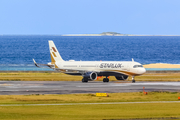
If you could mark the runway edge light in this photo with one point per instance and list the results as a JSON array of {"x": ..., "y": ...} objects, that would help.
[
  {"x": 178, "y": 98},
  {"x": 145, "y": 93}
]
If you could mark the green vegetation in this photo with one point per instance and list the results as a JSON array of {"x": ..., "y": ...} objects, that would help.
[
  {"x": 98, "y": 111},
  {"x": 112, "y": 34},
  {"x": 55, "y": 76},
  {"x": 89, "y": 112},
  {"x": 36, "y": 76},
  {"x": 89, "y": 98},
  {"x": 103, "y": 111},
  {"x": 159, "y": 77}
]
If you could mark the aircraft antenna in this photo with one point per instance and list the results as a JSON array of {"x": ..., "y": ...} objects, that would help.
[{"x": 132, "y": 60}]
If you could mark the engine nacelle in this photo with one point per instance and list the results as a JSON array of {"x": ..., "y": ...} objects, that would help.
[
  {"x": 90, "y": 75},
  {"x": 122, "y": 77}
]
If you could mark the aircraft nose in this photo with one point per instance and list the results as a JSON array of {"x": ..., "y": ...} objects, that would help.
[{"x": 142, "y": 71}]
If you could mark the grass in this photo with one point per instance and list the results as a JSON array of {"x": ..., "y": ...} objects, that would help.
[
  {"x": 89, "y": 98},
  {"x": 66, "y": 112},
  {"x": 113, "y": 111},
  {"x": 35, "y": 76},
  {"x": 89, "y": 112},
  {"x": 54, "y": 76},
  {"x": 159, "y": 77}
]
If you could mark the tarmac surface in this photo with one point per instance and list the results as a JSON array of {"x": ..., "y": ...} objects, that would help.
[{"x": 70, "y": 87}]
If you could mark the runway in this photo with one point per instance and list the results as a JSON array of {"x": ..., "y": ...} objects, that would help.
[{"x": 69, "y": 87}]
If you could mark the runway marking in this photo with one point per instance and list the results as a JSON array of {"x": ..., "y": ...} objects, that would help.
[
  {"x": 110, "y": 103},
  {"x": 132, "y": 84}
]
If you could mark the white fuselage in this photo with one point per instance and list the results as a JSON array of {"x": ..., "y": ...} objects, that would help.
[
  {"x": 111, "y": 67},
  {"x": 91, "y": 70}
]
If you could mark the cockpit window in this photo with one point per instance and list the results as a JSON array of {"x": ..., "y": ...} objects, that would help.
[{"x": 137, "y": 66}]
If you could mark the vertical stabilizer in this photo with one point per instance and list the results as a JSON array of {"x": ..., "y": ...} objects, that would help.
[{"x": 55, "y": 56}]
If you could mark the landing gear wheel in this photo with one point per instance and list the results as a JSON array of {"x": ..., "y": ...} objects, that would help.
[
  {"x": 105, "y": 80},
  {"x": 133, "y": 81},
  {"x": 84, "y": 80}
]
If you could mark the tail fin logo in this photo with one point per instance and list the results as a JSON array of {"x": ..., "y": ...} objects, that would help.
[
  {"x": 54, "y": 54},
  {"x": 54, "y": 49}
]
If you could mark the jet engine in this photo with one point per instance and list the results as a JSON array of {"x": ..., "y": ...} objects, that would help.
[
  {"x": 122, "y": 77},
  {"x": 90, "y": 75}
]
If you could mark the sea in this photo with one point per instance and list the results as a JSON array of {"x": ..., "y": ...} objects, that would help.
[{"x": 17, "y": 51}]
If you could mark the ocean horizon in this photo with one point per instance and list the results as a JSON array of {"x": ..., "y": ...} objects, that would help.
[{"x": 19, "y": 50}]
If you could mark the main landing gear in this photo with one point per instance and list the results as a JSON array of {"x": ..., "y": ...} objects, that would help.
[
  {"x": 133, "y": 80},
  {"x": 85, "y": 80},
  {"x": 106, "y": 79}
]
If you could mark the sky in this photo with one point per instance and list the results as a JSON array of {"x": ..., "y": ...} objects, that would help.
[{"x": 59, "y": 17}]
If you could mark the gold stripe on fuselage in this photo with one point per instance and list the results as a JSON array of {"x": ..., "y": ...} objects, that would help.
[{"x": 124, "y": 72}]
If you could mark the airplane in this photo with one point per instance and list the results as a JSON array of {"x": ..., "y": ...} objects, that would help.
[{"x": 91, "y": 70}]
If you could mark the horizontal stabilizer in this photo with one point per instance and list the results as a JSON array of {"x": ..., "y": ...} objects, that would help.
[
  {"x": 35, "y": 63},
  {"x": 39, "y": 65}
]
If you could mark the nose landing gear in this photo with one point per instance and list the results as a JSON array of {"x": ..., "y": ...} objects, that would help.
[{"x": 133, "y": 80}]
